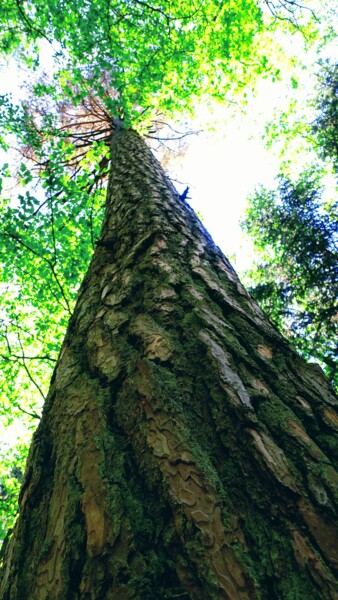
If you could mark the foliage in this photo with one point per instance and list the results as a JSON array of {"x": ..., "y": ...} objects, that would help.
[
  {"x": 296, "y": 282},
  {"x": 47, "y": 235},
  {"x": 158, "y": 56}
]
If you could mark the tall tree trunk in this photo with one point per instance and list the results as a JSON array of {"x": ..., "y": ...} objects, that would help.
[{"x": 185, "y": 450}]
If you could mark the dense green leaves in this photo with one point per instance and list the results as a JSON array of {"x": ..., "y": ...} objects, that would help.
[
  {"x": 158, "y": 55},
  {"x": 296, "y": 281}
]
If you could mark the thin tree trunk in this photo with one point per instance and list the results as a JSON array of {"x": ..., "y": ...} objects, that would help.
[{"x": 185, "y": 450}]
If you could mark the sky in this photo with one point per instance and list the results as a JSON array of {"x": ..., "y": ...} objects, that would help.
[{"x": 222, "y": 169}]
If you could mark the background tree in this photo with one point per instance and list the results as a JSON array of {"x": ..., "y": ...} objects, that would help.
[
  {"x": 296, "y": 282},
  {"x": 294, "y": 231}
]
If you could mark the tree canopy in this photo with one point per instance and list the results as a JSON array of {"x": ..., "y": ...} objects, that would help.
[{"x": 158, "y": 56}]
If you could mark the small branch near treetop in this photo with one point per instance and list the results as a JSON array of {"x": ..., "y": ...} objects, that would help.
[{"x": 285, "y": 10}]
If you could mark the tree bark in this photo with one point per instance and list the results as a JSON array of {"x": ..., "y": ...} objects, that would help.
[{"x": 185, "y": 450}]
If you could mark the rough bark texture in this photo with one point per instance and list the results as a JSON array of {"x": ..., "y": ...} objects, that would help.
[{"x": 185, "y": 450}]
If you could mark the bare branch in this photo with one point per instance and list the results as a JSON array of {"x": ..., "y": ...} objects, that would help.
[
  {"x": 29, "y": 22},
  {"x": 34, "y": 415},
  {"x": 286, "y": 10},
  {"x": 46, "y": 260},
  {"x": 30, "y": 376},
  {"x": 17, "y": 356}
]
